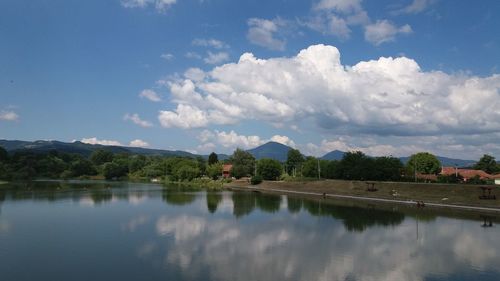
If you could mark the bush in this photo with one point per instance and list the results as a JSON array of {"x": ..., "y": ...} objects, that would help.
[
  {"x": 256, "y": 180},
  {"x": 269, "y": 169}
]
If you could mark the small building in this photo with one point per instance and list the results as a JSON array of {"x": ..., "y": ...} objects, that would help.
[
  {"x": 226, "y": 170},
  {"x": 496, "y": 178},
  {"x": 466, "y": 174}
]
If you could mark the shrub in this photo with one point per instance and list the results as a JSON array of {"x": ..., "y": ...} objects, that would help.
[{"x": 256, "y": 180}]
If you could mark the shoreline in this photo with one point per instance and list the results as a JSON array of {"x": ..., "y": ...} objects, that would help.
[{"x": 301, "y": 189}]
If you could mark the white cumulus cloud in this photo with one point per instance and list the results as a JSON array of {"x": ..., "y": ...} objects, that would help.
[
  {"x": 8, "y": 115},
  {"x": 216, "y": 58},
  {"x": 159, "y": 5},
  {"x": 167, "y": 56},
  {"x": 384, "y": 96},
  {"x": 137, "y": 120},
  {"x": 94, "y": 140},
  {"x": 384, "y": 31},
  {"x": 262, "y": 32},
  {"x": 213, "y": 43},
  {"x": 138, "y": 143},
  {"x": 150, "y": 95}
]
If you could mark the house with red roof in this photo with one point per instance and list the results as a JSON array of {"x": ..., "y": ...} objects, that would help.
[
  {"x": 466, "y": 174},
  {"x": 226, "y": 170}
]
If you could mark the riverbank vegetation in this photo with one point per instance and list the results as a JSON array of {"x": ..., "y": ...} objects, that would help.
[{"x": 103, "y": 164}]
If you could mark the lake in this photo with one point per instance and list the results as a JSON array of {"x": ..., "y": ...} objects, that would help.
[{"x": 80, "y": 230}]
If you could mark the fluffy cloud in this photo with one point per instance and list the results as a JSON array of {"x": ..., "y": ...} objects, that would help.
[
  {"x": 216, "y": 58},
  {"x": 185, "y": 117},
  {"x": 231, "y": 140},
  {"x": 386, "y": 96},
  {"x": 94, "y": 140},
  {"x": 150, "y": 95},
  {"x": 137, "y": 120},
  {"x": 160, "y": 5},
  {"x": 415, "y": 7},
  {"x": 384, "y": 31},
  {"x": 213, "y": 43},
  {"x": 138, "y": 143},
  {"x": 344, "y": 6},
  {"x": 336, "y": 17},
  {"x": 283, "y": 140},
  {"x": 8, "y": 116},
  {"x": 167, "y": 56},
  {"x": 262, "y": 32}
]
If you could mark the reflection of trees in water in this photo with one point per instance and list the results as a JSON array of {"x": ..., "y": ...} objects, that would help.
[
  {"x": 243, "y": 203},
  {"x": 177, "y": 197},
  {"x": 99, "y": 196},
  {"x": 294, "y": 204},
  {"x": 213, "y": 201},
  {"x": 354, "y": 218},
  {"x": 268, "y": 203}
]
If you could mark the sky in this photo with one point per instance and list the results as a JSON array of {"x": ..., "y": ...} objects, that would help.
[{"x": 385, "y": 77}]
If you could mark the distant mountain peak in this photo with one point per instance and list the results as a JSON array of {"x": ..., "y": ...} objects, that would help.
[{"x": 271, "y": 149}]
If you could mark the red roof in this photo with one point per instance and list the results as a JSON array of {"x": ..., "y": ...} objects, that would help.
[
  {"x": 465, "y": 173},
  {"x": 227, "y": 168}
]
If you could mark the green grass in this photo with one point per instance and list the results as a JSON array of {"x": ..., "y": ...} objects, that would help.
[{"x": 459, "y": 194}]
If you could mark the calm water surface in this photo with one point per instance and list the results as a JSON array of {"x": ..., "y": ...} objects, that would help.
[{"x": 127, "y": 231}]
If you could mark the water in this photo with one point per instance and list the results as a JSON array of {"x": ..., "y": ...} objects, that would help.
[{"x": 129, "y": 231}]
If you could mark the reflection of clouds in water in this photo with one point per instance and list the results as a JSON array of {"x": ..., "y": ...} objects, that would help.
[
  {"x": 294, "y": 249},
  {"x": 86, "y": 202},
  {"x": 136, "y": 199},
  {"x": 183, "y": 227},
  {"x": 5, "y": 226},
  {"x": 135, "y": 222}
]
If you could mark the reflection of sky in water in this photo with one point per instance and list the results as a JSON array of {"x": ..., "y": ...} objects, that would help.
[{"x": 141, "y": 232}]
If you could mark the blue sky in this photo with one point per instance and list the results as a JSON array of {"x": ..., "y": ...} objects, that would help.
[{"x": 384, "y": 77}]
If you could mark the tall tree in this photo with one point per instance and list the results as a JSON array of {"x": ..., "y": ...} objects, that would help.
[
  {"x": 487, "y": 163},
  {"x": 101, "y": 156},
  {"x": 423, "y": 162},
  {"x": 294, "y": 161},
  {"x": 213, "y": 158},
  {"x": 269, "y": 169},
  {"x": 3, "y": 154},
  {"x": 243, "y": 163}
]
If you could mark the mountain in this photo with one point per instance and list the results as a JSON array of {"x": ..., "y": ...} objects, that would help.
[
  {"x": 273, "y": 150},
  {"x": 86, "y": 149},
  {"x": 445, "y": 161},
  {"x": 333, "y": 155}
]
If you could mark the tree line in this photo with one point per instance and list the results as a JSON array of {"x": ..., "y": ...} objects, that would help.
[{"x": 355, "y": 165}]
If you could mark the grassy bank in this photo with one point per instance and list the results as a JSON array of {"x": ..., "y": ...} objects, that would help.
[{"x": 456, "y": 194}]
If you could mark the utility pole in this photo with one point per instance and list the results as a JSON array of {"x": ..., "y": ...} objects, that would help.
[
  {"x": 319, "y": 171},
  {"x": 415, "y": 166}
]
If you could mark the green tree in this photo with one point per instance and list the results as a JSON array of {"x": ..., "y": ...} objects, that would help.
[
  {"x": 4, "y": 156},
  {"x": 202, "y": 164},
  {"x": 355, "y": 165},
  {"x": 187, "y": 173},
  {"x": 423, "y": 162},
  {"x": 269, "y": 169},
  {"x": 82, "y": 167},
  {"x": 487, "y": 163},
  {"x": 214, "y": 171},
  {"x": 387, "y": 169},
  {"x": 101, "y": 156},
  {"x": 243, "y": 163},
  {"x": 294, "y": 161},
  {"x": 114, "y": 170},
  {"x": 213, "y": 158}
]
